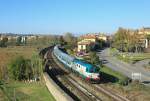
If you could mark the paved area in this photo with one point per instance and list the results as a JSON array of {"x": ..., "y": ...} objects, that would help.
[
  {"x": 123, "y": 67},
  {"x": 142, "y": 63}
]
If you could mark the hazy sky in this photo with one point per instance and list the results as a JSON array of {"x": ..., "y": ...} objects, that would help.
[{"x": 77, "y": 16}]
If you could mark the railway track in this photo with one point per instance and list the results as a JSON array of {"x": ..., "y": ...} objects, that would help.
[
  {"x": 113, "y": 95},
  {"x": 109, "y": 93},
  {"x": 99, "y": 88},
  {"x": 70, "y": 84},
  {"x": 58, "y": 70}
]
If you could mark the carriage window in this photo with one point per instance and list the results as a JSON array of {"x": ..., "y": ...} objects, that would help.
[{"x": 86, "y": 69}]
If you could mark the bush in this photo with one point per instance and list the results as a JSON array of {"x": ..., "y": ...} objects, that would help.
[
  {"x": 2, "y": 44},
  {"x": 124, "y": 81},
  {"x": 25, "y": 69},
  {"x": 18, "y": 68},
  {"x": 94, "y": 59}
]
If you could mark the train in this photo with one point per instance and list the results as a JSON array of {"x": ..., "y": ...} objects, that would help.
[{"x": 84, "y": 69}]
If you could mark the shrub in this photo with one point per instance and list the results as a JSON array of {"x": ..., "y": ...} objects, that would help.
[{"x": 25, "y": 69}]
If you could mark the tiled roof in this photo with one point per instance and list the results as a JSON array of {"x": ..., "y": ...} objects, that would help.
[
  {"x": 89, "y": 36},
  {"x": 85, "y": 42}
]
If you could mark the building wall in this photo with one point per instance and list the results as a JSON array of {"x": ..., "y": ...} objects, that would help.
[
  {"x": 142, "y": 34},
  {"x": 81, "y": 47},
  {"x": 91, "y": 40},
  {"x": 102, "y": 38}
]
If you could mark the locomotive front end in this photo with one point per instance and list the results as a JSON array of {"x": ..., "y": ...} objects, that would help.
[{"x": 95, "y": 78}]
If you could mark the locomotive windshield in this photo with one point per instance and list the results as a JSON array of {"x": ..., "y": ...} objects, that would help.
[
  {"x": 93, "y": 70},
  {"x": 96, "y": 69}
]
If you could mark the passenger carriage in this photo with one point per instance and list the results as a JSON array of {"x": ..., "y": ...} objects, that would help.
[{"x": 86, "y": 70}]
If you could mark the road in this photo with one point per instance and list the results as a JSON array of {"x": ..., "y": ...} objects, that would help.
[
  {"x": 142, "y": 62},
  {"x": 123, "y": 67}
]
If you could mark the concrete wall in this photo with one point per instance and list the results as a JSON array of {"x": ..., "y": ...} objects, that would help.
[{"x": 55, "y": 90}]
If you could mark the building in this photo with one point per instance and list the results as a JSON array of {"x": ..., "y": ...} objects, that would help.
[
  {"x": 87, "y": 41},
  {"x": 102, "y": 37},
  {"x": 84, "y": 45},
  {"x": 142, "y": 33},
  {"x": 89, "y": 37},
  {"x": 145, "y": 30},
  {"x": 90, "y": 40}
]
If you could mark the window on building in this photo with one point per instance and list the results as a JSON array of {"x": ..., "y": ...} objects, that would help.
[{"x": 81, "y": 46}]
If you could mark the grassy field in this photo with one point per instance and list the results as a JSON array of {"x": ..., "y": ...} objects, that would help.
[
  {"x": 27, "y": 92},
  {"x": 23, "y": 91},
  {"x": 129, "y": 57},
  {"x": 133, "y": 58},
  {"x": 9, "y": 53},
  {"x": 112, "y": 76}
]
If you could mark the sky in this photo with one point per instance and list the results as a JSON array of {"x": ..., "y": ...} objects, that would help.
[{"x": 75, "y": 16}]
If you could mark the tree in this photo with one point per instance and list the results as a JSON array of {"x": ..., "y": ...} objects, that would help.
[
  {"x": 148, "y": 37},
  {"x": 5, "y": 39},
  {"x": 100, "y": 44},
  {"x": 89, "y": 48},
  {"x": 68, "y": 37},
  {"x": 25, "y": 69},
  {"x": 18, "y": 41},
  {"x": 17, "y": 68},
  {"x": 3, "y": 42},
  {"x": 28, "y": 70},
  {"x": 71, "y": 41},
  {"x": 94, "y": 59},
  {"x": 120, "y": 39},
  {"x": 126, "y": 40},
  {"x": 36, "y": 65},
  {"x": 61, "y": 40}
]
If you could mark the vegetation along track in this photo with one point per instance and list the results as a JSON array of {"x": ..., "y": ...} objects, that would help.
[
  {"x": 111, "y": 94},
  {"x": 69, "y": 83}
]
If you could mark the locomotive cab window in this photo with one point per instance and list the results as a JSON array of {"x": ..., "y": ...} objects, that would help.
[
  {"x": 96, "y": 69},
  {"x": 91, "y": 70},
  {"x": 78, "y": 65}
]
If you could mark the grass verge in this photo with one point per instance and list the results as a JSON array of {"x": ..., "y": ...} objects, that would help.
[
  {"x": 22, "y": 91},
  {"x": 109, "y": 75},
  {"x": 129, "y": 57},
  {"x": 115, "y": 81},
  {"x": 27, "y": 92}
]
